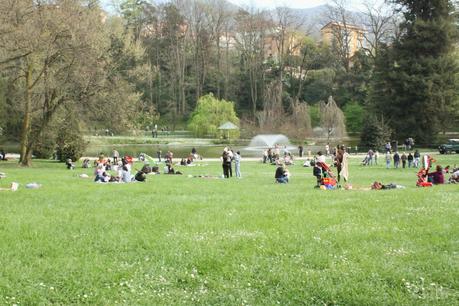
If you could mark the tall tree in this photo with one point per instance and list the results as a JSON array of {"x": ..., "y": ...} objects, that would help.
[
  {"x": 250, "y": 42},
  {"x": 418, "y": 76},
  {"x": 53, "y": 51}
]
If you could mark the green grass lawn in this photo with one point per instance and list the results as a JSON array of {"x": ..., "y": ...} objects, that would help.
[{"x": 177, "y": 240}]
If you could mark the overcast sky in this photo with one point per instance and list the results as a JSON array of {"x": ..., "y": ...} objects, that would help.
[
  {"x": 355, "y": 4},
  {"x": 352, "y": 4}
]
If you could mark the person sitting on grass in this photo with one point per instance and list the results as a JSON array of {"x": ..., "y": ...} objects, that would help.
[
  {"x": 108, "y": 165},
  {"x": 100, "y": 160},
  {"x": 170, "y": 170},
  {"x": 140, "y": 176},
  {"x": 69, "y": 163},
  {"x": 288, "y": 159},
  {"x": 103, "y": 178},
  {"x": 100, "y": 169},
  {"x": 126, "y": 176},
  {"x": 454, "y": 179},
  {"x": 147, "y": 169},
  {"x": 86, "y": 163},
  {"x": 281, "y": 175},
  {"x": 437, "y": 177}
]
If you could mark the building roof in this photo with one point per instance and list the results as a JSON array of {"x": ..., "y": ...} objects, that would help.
[
  {"x": 228, "y": 126},
  {"x": 334, "y": 24}
]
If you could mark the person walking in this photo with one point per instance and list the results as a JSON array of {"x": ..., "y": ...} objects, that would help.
[
  {"x": 376, "y": 157},
  {"x": 410, "y": 159},
  {"x": 300, "y": 151},
  {"x": 370, "y": 155},
  {"x": 417, "y": 158},
  {"x": 388, "y": 159},
  {"x": 396, "y": 160},
  {"x": 404, "y": 158}
]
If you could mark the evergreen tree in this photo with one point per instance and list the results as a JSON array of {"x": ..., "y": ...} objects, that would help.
[
  {"x": 415, "y": 81},
  {"x": 375, "y": 133}
]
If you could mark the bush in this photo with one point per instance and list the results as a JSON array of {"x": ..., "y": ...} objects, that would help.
[
  {"x": 45, "y": 146},
  {"x": 70, "y": 143}
]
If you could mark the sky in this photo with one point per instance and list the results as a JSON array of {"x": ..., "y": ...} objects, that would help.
[
  {"x": 355, "y": 4},
  {"x": 274, "y": 3}
]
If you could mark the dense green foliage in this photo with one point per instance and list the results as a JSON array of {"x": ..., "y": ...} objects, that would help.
[
  {"x": 354, "y": 114},
  {"x": 209, "y": 114},
  {"x": 70, "y": 144},
  {"x": 375, "y": 133},
  {"x": 176, "y": 240},
  {"x": 416, "y": 80}
]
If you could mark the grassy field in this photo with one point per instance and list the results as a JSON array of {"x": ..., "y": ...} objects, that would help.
[{"x": 177, "y": 240}]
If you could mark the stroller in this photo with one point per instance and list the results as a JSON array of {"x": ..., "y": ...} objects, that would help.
[{"x": 328, "y": 181}]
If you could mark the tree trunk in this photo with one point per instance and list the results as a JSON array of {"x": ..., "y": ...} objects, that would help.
[
  {"x": 26, "y": 158},
  {"x": 219, "y": 68}
]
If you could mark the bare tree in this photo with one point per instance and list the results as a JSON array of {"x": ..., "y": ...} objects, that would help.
[
  {"x": 250, "y": 42},
  {"x": 332, "y": 119},
  {"x": 379, "y": 21},
  {"x": 219, "y": 18},
  {"x": 341, "y": 22},
  {"x": 285, "y": 26}
]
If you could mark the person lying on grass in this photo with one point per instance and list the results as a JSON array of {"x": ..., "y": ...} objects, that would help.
[
  {"x": 380, "y": 186},
  {"x": 13, "y": 187}
]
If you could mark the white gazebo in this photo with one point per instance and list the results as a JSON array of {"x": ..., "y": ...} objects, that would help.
[{"x": 227, "y": 126}]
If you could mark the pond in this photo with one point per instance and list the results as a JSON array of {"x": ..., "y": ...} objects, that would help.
[{"x": 206, "y": 151}]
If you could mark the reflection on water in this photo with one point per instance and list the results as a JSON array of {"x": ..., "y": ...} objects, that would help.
[
  {"x": 182, "y": 149},
  {"x": 209, "y": 151}
]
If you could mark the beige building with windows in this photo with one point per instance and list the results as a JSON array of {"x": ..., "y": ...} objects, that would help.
[{"x": 350, "y": 33}]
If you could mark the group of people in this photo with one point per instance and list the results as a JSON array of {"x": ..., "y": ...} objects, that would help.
[
  {"x": 323, "y": 173},
  {"x": 227, "y": 158},
  {"x": 427, "y": 178},
  {"x": 404, "y": 160},
  {"x": 188, "y": 161},
  {"x": 275, "y": 157},
  {"x": 321, "y": 170},
  {"x": 122, "y": 170}
]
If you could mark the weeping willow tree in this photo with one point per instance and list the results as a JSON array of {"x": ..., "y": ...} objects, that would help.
[
  {"x": 332, "y": 119},
  {"x": 272, "y": 115},
  {"x": 299, "y": 123}
]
